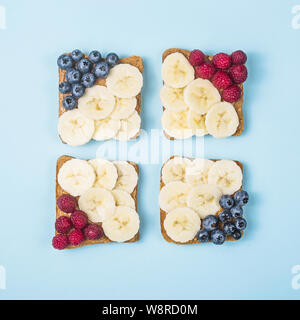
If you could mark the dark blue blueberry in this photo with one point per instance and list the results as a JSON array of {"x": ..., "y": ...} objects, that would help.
[
  {"x": 112, "y": 59},
  {"x": 65, "y": 62},
  {"x": 229, "y": 228},
  {"x": 226, "y": 202},
  {"x": 218, "y": 237},
  {"x": 240, "y": 223},
  {"x": 78, "y": 90},
  {"x": 241, "y": 198},
  {"x": 236, "y": 212},
  {"x": 210, "y": 223},
  {"x": 101, "y": 70},
  {"x": 88, "y": 80},
  {"x": 225, "y": 216},
  {"x": 69, "y": 103},
  {"x": 64, "y": 87},
  {"x": 237, "y": 235},
  {"x": 84, "y": 65},
  {"x": 95, "y": 56},
  {"x": 76, "y": 55},
  {"x": 73, "y": 76},
  {"x": 203, "y": 236}
]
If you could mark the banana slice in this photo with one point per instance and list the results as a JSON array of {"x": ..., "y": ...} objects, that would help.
[
  {"x": 123, "y": 225},
  {"x": 106, "y": 129},
  {"x": 196, "y": 122},
  {"x": 175, "y": 169},
  {"x": 222, "y": 120},
  {"x": 127, "y": 176},
  {"x": 204, "y": 199},
  {"x": 97, "y": 103},
  {"x": 176, "y": 71},
  {"x": 97, "y": 203},
  {"x": 74, "y": 128},
  {"x": 174, "y": 195},
  {"x": 197, "y": 172},
  {"x": 226, "y": 175},
  {"x": 106, "y": 173},
  {"x": 182, "y": 224},
  {"x": 129, "y": 127},
  {"x": 76, "y": 176},
  {"x": 124, "y": 108},
  {"x": 123, "y": 198},
  {"x": 175, "y": 124},
  {"x": 200, "y": 95},
  {"x": 124, "y": 81},
  {"x": 172, "y": 99}
]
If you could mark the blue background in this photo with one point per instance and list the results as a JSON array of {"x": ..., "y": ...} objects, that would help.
[{"x": 257, "y": 267}]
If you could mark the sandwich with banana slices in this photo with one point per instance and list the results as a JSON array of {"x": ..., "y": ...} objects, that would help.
[
  {"x": 96, "y": 202},
  {"x": 202, "y": 94},
  {"x": 201, "y": 200},
  {"x": 99, "y": 98}
]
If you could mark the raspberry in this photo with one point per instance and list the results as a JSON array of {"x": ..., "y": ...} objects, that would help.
[
  {"x": 196, "y": 58},
  {"x": 63, "y": 224},
  {"x": 205, "y": 71},
  {"x": 238, "y": 73},
  {"x": 232, "y": 93},
  {"x": 60, "y": 241},
  {"x": 238, "y": 57},
  {"x": 75, "y": 237},
  {"x": 79, "y": 219},
  {"x": 66, "y": 203},
  {"x": 93, "y": 232},
  {"x": 221, "y": 80},
  {"x": 222, "y": 61}
]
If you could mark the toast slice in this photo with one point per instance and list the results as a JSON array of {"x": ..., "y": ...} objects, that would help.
[
  {"x": 59, "y": 191},
  {"x": 163, "y": 214},
  {"x": 237, "y": 105}
]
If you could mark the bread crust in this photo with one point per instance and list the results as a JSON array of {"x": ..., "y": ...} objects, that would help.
[
  {"x": 59, "y": 191},
  {"x": 163, "y": 213},
  {"x": 238, "y": 105}
]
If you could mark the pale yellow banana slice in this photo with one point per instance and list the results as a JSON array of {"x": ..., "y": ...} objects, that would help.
[
  {"x": 123, "y": 198},
  {"x": 127, "y": 176},
  {"x": 106, "y": 129},
  {"x": 175, "y": 169},
  {"x": 175, "y": 124},
  {"x": 124, "y": 108},
  {"x": 196, "y": 121},
  {"x": 197, "y": 172},
  {"x": 129, "y": 127},
  {"x": 172, "y": 99}
]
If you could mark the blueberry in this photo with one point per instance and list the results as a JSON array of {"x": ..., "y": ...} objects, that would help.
[
  {"x": 88, "y": 80},
  {"x": 84, "y": 65},
  {"x": 210, "y": 223},
  {"x": 241, "y": 198},
  {"x": 101, "y": 70},
  {"x": 229, "y": 228},
  {"x": 69, "y": 103},
  {"x": 225, "y": 216},
  {"x": 112, "y": 59},
  {"x": 218, "y": 237},
  {"x": 95, "y": 56},
  {"x": 73, "y": 76},
  {"x": 65, "y": 62},
  {"x": 203, "y": 236},
  {"x": 236, "y": 212},
  {"x": 226, "y": 202},
  {"x": 64, "y": 87},
  {"x": 78, "y": 90},
  {"x": 237, "y": 235},
  {"x": 240, "y": 223},
  {"x": 76, "y": 55}
]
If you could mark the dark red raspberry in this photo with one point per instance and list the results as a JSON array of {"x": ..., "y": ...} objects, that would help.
[
  {"x": 221, "y": 80},
  {"x": 205, "y": 71},
  {"x": 196, "y": 58},
  {"x": 93, "y": 232},
  {"x": 66, "y": 203},
  {"x": 79, "y": 219},
  {"x": 238, "y": 73},
  {"x": 75, "y": 237},
  {"x": 63, "y": 224},
  {"x": 222, "y": 61},
  {"x": 60, "y": 241},
  {"x": 232, "y": 93},
  {"x": 238, "y": 57}
]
